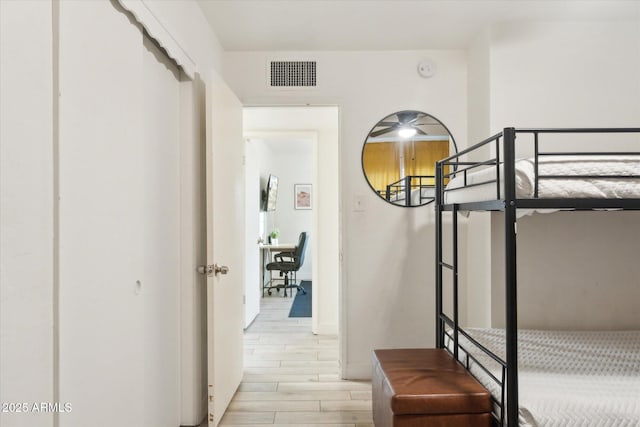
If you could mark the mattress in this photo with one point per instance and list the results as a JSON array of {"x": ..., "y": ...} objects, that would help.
[
  {"x": 422, "y": 195},
  {"x": 568, "y": 378},
  {"x": 578, "y": 187}
]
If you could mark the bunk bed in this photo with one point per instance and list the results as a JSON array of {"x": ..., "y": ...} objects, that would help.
[{"x": 535, "y": 375}]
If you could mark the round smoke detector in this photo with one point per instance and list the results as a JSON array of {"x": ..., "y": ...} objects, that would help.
[{"x": 427, "y": 68}]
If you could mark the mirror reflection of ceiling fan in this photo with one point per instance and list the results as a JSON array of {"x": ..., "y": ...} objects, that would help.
[{"x": 407, "y": 125}]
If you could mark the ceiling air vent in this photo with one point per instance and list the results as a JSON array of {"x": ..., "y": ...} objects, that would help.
[{"x": 287, "y": 74}]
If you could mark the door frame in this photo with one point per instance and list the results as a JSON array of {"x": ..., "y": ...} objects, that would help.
[{"x": 193, "y": 296}]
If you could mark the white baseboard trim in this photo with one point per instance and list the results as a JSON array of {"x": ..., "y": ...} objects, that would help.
[
  {"x": 197, "y": 416},
  {"x": 327, "y": 329},
  {"x": 358, "y": 371}
]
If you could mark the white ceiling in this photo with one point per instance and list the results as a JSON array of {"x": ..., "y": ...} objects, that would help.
[{"x": 244, "y": 25}]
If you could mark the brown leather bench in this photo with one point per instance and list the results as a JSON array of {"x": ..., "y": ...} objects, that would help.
[{"x": 426, "y": 387}]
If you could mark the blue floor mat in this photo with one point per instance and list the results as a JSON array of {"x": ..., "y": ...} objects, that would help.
[{"x": 301, "y": 306}]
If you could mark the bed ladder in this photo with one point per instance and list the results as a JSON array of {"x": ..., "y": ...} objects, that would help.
[{"x": 441, "y": 317}]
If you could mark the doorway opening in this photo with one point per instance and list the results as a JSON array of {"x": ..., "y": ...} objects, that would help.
[{"x": 299, "y": 145}]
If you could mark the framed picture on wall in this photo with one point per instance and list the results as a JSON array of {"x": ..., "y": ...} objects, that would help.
[{"x": 302, "y": 196}]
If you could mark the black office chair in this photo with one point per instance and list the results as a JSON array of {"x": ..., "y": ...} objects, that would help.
[{"x": 288, "y": 263}]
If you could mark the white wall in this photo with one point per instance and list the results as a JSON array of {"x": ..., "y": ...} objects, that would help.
[
  {"x": 319, "y": 124},
  {"x": 27, "y": 180},
  {"x": 475, "y": 230},
  {"x": 576, "y": 270},
  {"x": 388, "y": 274},
  {"x": 567, "y": 75}
]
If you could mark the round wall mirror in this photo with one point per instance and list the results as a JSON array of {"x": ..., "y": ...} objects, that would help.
[{"x": 399, "y": 155}]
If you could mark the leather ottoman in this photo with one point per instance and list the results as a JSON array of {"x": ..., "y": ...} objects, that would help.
[{"x": 424, "y": 388}]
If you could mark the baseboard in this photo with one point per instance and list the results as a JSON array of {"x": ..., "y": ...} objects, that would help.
[
  {"x": 327, "y": 329},
  {"x": 196, "y": 419},
  {"x": 251, "y": 323},
  {"x": 358, "y": 371}
]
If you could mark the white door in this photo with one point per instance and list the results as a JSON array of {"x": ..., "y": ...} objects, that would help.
[
  {"x": 102, "y": 283},
  {"x": 225, "y": 243},
  {"x": 119, "y": 313},
  {"x": 161, "y": 238}
]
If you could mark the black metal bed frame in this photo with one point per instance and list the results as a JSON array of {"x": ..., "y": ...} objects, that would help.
[
  {"x": 506, "y": 201},
  {"x": 407, "y": 184}
]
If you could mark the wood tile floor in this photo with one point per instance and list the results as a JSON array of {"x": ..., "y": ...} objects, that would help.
[{"x": 291, "y": 377}]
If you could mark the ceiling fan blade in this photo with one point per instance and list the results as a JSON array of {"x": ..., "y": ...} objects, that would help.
[
  {"x": 386, "y": 124},
  {"x": 407, "y": 117},
  {"x": 419, "y": 131},
  {"x": 381, "y": 132}
]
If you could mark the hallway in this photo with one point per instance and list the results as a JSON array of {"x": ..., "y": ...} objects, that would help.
[{"x": 291, "y": 377}]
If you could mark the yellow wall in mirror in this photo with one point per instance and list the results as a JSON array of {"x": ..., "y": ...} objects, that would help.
[
  {"x": 420, "y": 157},
  {"x": 381, "y": 160}
]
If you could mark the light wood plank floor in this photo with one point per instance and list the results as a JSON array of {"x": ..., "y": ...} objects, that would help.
[{"x": 291, "y": 377}]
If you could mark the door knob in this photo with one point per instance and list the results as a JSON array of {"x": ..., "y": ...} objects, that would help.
[
  {"x": 222, "y": 269},
  {"x": 213, "y": 269}
]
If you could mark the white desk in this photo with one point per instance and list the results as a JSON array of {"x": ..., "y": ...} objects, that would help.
[
  {"x": 278, "y": 247},
  {"x": 267, "y": 252}
]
